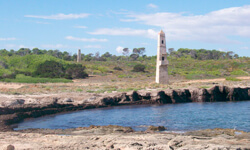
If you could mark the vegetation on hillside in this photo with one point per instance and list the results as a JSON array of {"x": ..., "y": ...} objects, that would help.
[
  {"x": 43, "y": 66},
  {"x": 188, "y": 63}
]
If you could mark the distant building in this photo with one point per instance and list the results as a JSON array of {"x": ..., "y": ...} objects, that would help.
[
  {"x": 79, "y": 56},
  {"x": 161, "y": 62}
]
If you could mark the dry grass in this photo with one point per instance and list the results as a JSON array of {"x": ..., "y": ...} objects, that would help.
[{"x": 111, "y": 83}]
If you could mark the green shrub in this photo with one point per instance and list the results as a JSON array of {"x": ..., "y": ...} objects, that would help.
[
  {"x": 50, "y": 69},
  {"x": 238, "y": 72},
  {"x": 232, "y": 79},
  {"x": 117, "y": 68},
  {"x": 124, "y": 76},
  {"x": 75, "y": 71},
  {"x": 139, "y": 68},
  {"x": 53, "y": 69}
]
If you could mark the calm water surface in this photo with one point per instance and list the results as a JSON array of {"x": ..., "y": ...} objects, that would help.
[{"x": 176, "y": 117}]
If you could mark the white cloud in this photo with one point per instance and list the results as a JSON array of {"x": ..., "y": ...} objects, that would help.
[
  {"x": 60, "y": 16},
  {"x": 119, "y": 49},
  {"x": 152, "y": 6},
  {"x": 150, "y": 33},
  {"x": 215, "y": 27},
  {"x": 245, "y": 48},
  {"x": 85, "y": 39},
  {"x": 222, "y": 49},
  {"x": 92, "y": 46},
  {"x": 7, "y": 39},
  {"x": 82, "y": 27}
]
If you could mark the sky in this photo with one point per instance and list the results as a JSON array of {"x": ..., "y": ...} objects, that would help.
[{"x": 111, "y": 25}]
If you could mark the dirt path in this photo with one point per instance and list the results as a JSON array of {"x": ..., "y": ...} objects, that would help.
[{"x": 11, "y": 85}]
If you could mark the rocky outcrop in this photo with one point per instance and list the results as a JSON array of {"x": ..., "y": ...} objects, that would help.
[
  {"x": 124, "y": 138},
  {"x": 16, "y": 110}
]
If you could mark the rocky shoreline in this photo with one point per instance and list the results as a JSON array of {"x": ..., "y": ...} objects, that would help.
[{"x": 16, "y": 108}]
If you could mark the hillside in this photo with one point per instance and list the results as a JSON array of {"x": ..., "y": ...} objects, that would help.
[{"x": 184, "y": 63}]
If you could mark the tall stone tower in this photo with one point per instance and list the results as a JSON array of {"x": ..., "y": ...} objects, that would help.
[
  {"x": 79, "y": 58},
  {"x": 161, "y": 62}
]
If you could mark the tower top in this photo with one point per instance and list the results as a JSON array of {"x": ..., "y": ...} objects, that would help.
[{"x": 161, "y": 32}]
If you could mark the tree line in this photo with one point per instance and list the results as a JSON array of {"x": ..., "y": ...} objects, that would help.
[
  {"x": 202, "y": 54},
  {"x": 130, "y": 55}
]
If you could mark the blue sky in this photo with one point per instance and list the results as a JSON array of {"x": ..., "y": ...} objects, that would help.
[{"x": 110, "y": 25}]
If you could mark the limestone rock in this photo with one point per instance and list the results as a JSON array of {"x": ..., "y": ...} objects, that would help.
[
  {"x": 68, "y": 100},
  {"x": 10, "y": 147}
]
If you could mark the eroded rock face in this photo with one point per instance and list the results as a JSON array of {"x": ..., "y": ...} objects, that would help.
[{"x": 200, "y": 95}]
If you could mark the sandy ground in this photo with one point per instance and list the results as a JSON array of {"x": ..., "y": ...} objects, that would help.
[{"x": 11, "y": 85}]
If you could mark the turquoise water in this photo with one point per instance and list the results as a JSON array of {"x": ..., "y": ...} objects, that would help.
[{"x": 175, "y": 117}]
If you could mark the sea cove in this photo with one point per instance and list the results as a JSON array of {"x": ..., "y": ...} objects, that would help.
[{"x": 175, "y": 117}]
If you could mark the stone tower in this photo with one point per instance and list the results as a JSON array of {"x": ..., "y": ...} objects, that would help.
[
  {"x": 161, "y": 62},
  {"x": 79, "y": 55}
]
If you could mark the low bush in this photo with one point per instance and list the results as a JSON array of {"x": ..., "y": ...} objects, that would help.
[
  {"x": 232, "y": 79},
  {"x": 117, "y": 68},
  {"x": 50, "y": 69},
  {"x": 53, "y": 69},
  {"x": 75, "y": 71},
  {"x": 139, "y": 68},
  {"x": 238, "y": 72}
]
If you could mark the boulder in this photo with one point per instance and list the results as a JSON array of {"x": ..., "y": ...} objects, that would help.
[
  {"x": 13, "y": 103},
  {"x": 156, "y": 128},
  {"x": 10, "y": 147},
  {"x": 68, "y": 100}
]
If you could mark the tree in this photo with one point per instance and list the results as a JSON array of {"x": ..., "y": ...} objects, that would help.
[
  {"x": 125, "y": 52},
  {"x": 88, "y": 57},
  {"x": 236, "y": 56},
  {"x": 107, "y": 55},
  {"x": 170, "y": 50},
  {"x": 134, "y": 56},
  {"x": 229, "y": 54},
  {"x": 36, "y": 51},
  {"x": 139, "y": 51},
  {"x": 97, "y": 56},
  {"x": 23, "y": 51}
]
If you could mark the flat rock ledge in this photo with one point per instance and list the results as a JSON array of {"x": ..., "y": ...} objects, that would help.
[
  {"x": 123, "y": 138},
  {"x": 16, "y": 108}
]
